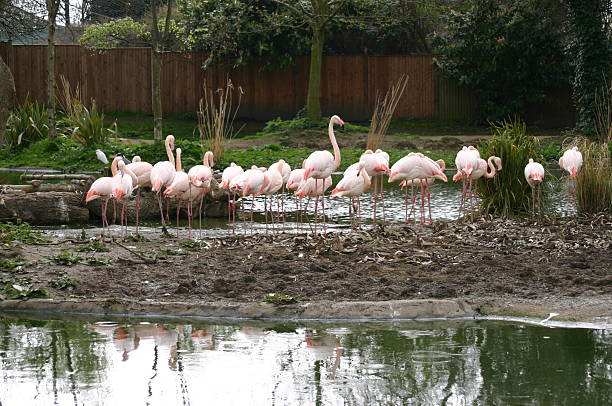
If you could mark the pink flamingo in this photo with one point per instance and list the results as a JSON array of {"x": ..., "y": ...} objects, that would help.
[
  {"x": 229, "y": 174},
  {"x": 571, "y": 161},
  {"x": 162, "y": 175},
  {"x": 123, "y": 184},
  {"x": 275, "y": 183},
  {"x": 416, "y": 166},
  {"x": 352, "y": 185},
  {"x": 424, "y": 185},
  {"x": 102, "y": 188},
  {"x": 483, "y": 168},
  {"x": 142, "y": 170},
  {"x": 200, "y": 178},
  {"x": 534, "y": 174},
  {"x": 466, "y": 161},
  {"x": 179, "y": 189},
  {"x": 311, "y": 188},
  {"x": 296, "y": 177},
  {"x": 321, "y": 164},
  {"x": 376, "y": 165},
  {"x": 285, "y": 170},
  {"x": 252, "y": 182}
]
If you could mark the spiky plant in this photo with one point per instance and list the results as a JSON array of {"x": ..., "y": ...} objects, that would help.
[
  {"x": 509, "y": 194},
  {"x": 27, "y": 124},
  {"x": 383, "y": 112},
  {"x": 216, "y": 117}
]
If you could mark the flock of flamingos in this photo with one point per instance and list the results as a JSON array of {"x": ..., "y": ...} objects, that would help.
[{"x": 312, "y": 180}]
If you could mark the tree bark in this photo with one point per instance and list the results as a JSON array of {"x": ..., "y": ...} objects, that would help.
[
  {"x": 313, "y": 99},
  {"x": 7, "y": 97},
  {"x": 67, "y": 12},
  {"x": 52, "y": 7}
]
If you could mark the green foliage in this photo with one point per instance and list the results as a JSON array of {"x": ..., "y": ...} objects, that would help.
[
  {"x": 551, "y": 152},
  {"x": 21, "y": 232},
  {"x": 303, "y": 123},
  {"x": 86, "y": 125},
  {"x": 23, "y": 291},
  {"x": 509, "y": 53},
  {"x": 123, "y": 32},
  {"x": 591, "y": 52},
  {"x": 509, "y": 193},
  {"x": 593, "y": 181},
  {"x": 94, "y": 246},
  {"x": 12, "y": 266},
  {"x": 65, "y": 258},
  {"x": 62, "y": 281},
  {"x": 26, "y": 125},
  {"x": 279, "y": 299},
  {"x": 93, "y": 261}
]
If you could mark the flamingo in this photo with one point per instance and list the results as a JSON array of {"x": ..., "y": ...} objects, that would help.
[
  {"x": 285, "y": 170},
  {"x": 352, "y": 185},
  {"x": 465, "y": 162},
  {"x": 142, "y": 170},
  {"x": 162, "y": 175},
  {"x": 296, "y": 177},
  {"x": 275, "y": 183},
  {"x": 311, "y": 188},
  {"x": 571, "y": 161},
  {"x": 201, "y": 177},
  {"x": 123, "y": 184},
  {"x": 416, "y": 166},
  {"x": 179, "y": 189},
  {"x": 102, "y": 188},
  {"x": 321, "y": 164},
  {"x": 424, "y": 185},
  {"x": 252, "y": 182},
  {"x": 376, "y": 164},
  {"x": 229, "y": 174},
  {"x": 483, "y": 168},
  {"x": 534, "y": 173}
]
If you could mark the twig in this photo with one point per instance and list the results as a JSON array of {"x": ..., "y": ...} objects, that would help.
[{"x": 146, "y": 259}]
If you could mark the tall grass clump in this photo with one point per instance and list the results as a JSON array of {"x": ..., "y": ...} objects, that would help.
[
  {"x": 383, "y": 112},
  {"x": 26, "y": 125},
  {"x": 594, "y": 179},
  {"x": 216, "y": 117},
  {"x": 85, "y": 125},
  {"x": 509, "y": 194}
]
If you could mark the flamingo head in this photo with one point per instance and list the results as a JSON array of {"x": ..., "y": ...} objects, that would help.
[
  {"x": 439, "y": 175},
  {"x": 392, "y": 176},
  {"x": 117, "y": 193},
  {"x": 307, "y": 173},
  {"x": 91, "y": 195},
  {"x": 457, "y": 176},
  {"x": 337, "y": 120},
  {"x": 170, "y": 141},
  {"x": 441, "y": 164}
]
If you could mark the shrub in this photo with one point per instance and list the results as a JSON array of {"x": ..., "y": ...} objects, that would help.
[
  {"x": 593, "y": 185},
  {"x": 509, "y": 193},
  {"x": 26, "y": 125}
]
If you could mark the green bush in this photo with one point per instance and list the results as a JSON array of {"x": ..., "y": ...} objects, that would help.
[
  {"x": 303, "y": 123},
  {"x": 509, "y": 193},
  {"x": 26, "y": 125},
  {"x": 86, "y": 126},
  {"x": 593, "y": 185}
]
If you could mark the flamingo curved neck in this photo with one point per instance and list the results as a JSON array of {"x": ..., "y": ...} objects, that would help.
[
  {"x": 169, "y": 153},
  {"x": 178, "y": 160},
  {"x": 131, "y": 174},
  {"x": 114, "y": 168},
  {"x": 332, "y": 138},
  {"x": 490, "y": 173}
]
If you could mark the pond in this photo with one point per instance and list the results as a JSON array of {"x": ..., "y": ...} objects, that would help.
[{"x": 94, "y": 361}]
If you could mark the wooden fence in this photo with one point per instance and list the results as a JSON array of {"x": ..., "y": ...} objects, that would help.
[{"x": 120, "y": 80}]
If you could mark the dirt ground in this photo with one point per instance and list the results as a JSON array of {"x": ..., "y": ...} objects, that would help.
[{"x": 567, "y": 259}]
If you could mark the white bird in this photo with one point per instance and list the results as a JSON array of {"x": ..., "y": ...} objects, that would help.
[{"x": 101, "y": 156}]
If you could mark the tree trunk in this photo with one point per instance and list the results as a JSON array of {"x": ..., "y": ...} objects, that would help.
[
  {"x": 156, "y": 61},
  {"x": 7, "y": 97},
  {"x": 67, "y": 12},
  {"x": 313, "y": 99},
  {"x": 52, "y": 6}
]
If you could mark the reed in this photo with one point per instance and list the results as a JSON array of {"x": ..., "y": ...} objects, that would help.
[
  {"x": 383, "y": 112},
  {"x": 26, "y": 125},
  {"x": 509, "y": 194},
  {"x": 216, "y": 115}
]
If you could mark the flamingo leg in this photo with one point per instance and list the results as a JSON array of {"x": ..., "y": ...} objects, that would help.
[
  {"x": 382, "y": 196},
  {"x": 161, "y": 212},
  {"x": 429, "y": 203},
  {"x": 471, "y": 202},
  {"x": 464, "y": 186},
  {"x": 414, "y": 197},
  {"x": 323, "y": 207},
  {"x": 316, "y": 204},
  {"x": 200, "y": 215},
  {"x": 375, "y": 198},
  {"x": 266, "y": 211},
  {"x": 178, "y": 211},
  {"x": 252, "y": 205},
  {"x": 137, "y": 211},
  {"x": 114, "y": 211},
  {"x": 422, "y": 203}
]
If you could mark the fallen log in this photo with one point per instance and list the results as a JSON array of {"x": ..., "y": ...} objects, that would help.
[
  {"x": 43, "y": 187},
  {"x": 44, "y": 208},
  {"x": 57, "y": 176}
]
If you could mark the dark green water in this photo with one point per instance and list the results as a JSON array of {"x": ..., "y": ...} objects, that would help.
[{"x": 94, "y": 362}]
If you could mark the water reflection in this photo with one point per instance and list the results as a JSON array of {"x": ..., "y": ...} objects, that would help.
[{"x": 46, "y": 362}]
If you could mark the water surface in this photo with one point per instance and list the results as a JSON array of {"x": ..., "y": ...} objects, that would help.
[{"x": 111, "y": 362}]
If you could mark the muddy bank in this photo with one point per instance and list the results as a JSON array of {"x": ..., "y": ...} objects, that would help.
[{"x": 494, "y": 267}]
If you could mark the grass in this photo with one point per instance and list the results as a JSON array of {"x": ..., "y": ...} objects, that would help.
[
  {"x": 593, "y": 181},
  {"x": 509, "y": 194}
]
